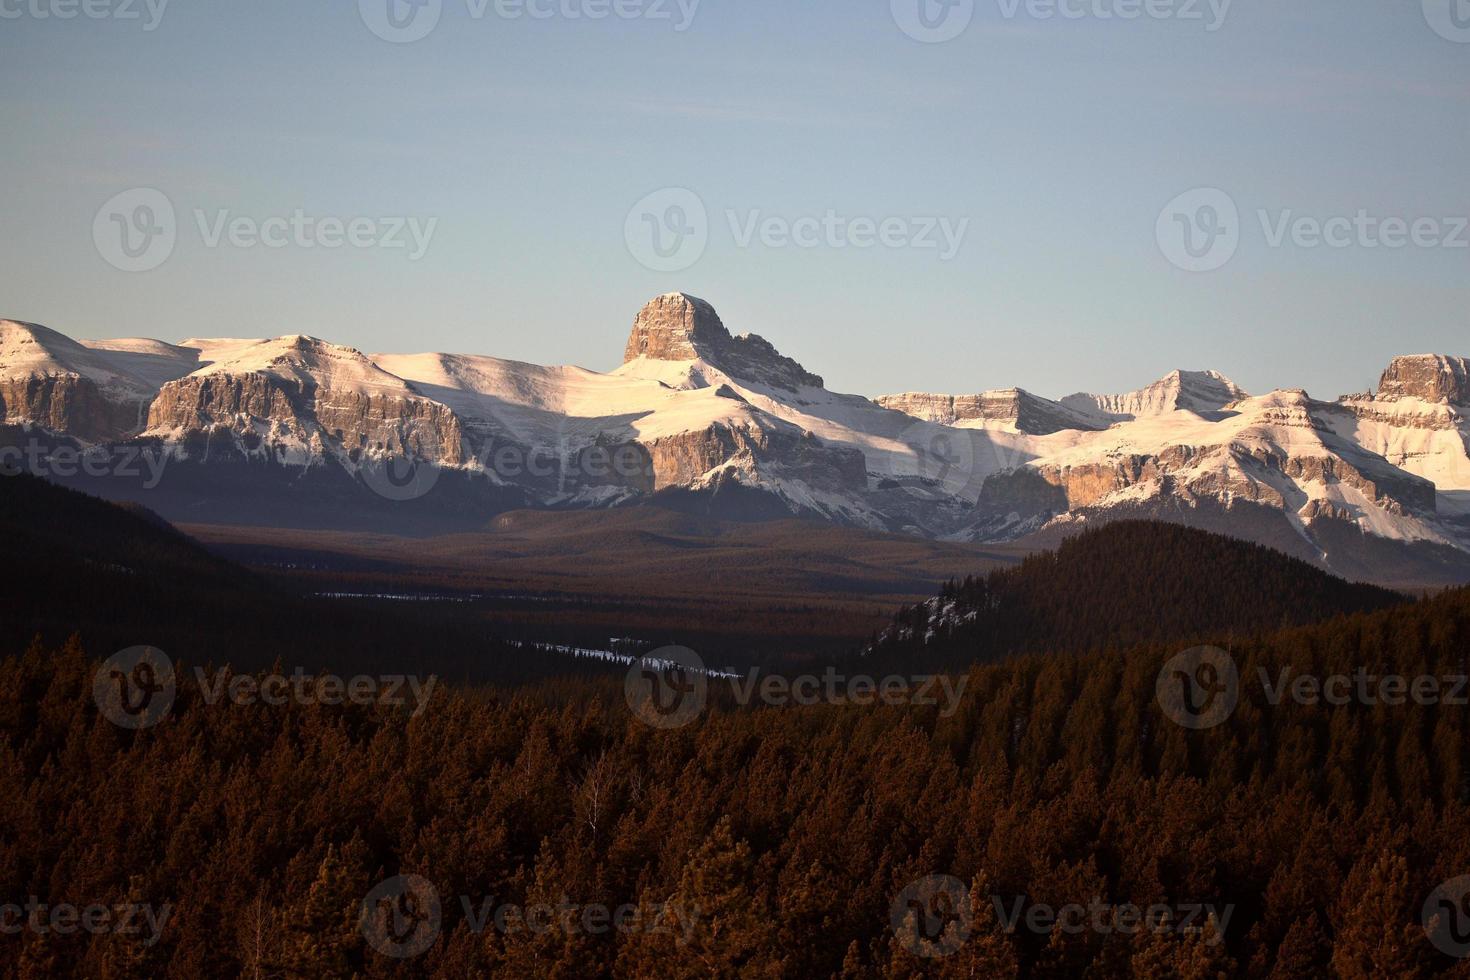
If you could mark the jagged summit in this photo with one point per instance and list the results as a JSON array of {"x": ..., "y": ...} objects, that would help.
[{"x": 680, "y": 327}]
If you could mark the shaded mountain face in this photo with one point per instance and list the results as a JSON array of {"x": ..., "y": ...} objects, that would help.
[{"x": 298, "y": 432}]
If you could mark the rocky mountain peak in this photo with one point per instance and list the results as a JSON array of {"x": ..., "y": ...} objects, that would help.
[
  {"x": 1430, "y": 377},
  {"x": 680, "y": 327},
  {"x": 673, "y": 327}
]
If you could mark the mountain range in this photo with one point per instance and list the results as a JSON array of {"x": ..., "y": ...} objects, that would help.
[{"x": 293, "y": 431}]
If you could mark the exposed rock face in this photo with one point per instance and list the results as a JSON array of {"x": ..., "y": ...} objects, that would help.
[
  {"x": 48, "y": 379},
  {"x": 1027, "y": 412},
  {"x": 681, "y": 460},
  {"x": 286, "y": 404},
  {"x": 679, "y": 327},
  {"x": 1429, "y": 377},
  {"x": 70, "y": 404},
  {"x": 668, "y": 328}
]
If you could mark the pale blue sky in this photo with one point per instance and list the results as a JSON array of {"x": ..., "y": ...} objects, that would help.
[{"x": 529, "y": 140}]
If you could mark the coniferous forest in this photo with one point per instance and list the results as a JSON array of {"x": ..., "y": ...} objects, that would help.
[{"x": 758, "y": 841}]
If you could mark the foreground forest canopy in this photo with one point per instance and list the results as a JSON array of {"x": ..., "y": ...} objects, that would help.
[{"x": 759, "y": 841}]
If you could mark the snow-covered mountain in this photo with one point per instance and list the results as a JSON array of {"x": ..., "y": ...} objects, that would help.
[{"x": 1375, "y": 485}]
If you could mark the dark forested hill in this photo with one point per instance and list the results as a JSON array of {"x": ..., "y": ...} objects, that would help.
[
  {"x": 119, "y": 576},
  {"x": 1122, "y": 584}
]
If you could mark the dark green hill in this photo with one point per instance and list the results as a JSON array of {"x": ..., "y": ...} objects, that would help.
[
  {"x": 120, "y": 576},
  {"x": 1123, "y": 584}
]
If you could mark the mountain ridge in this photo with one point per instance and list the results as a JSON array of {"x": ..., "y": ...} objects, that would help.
[{"x": 696, "y": 410}]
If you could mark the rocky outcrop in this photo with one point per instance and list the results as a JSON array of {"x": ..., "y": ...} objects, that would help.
[
  {"x": 683, "y": 459},
  {"x": 1015, "y": 406},
  {"x": 281, "y": 408},
  {"x": 1429, "y": 377},
  {"x": 679, "y": 327}
]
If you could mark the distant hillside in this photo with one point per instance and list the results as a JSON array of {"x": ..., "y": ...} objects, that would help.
[{"x": 1124, "y": 584}]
